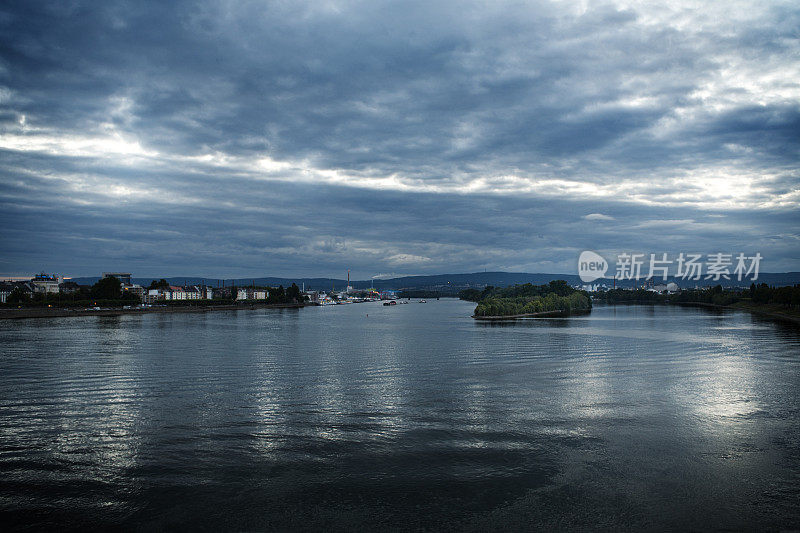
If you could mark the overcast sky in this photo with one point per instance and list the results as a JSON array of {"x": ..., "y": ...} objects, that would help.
[{"x": 301, "y": 139}]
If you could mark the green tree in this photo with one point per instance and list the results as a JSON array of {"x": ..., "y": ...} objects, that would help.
[
  {"x": 470, "y": 295},
  {"x": 561, "y": 287},
  {"x": 293, "y": 293},
  {"x": 160, "y": 284},
  {"x": 17, "y": 296},
  {"x": 280, "y": 294},
  {"x": 107, "y": 288}
]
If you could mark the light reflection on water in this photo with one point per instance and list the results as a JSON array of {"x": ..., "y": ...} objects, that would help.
[{"x": 414, "y": 416}]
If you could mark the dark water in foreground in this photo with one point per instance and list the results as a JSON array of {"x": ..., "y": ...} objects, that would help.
[{"x": 412, "y": 417}]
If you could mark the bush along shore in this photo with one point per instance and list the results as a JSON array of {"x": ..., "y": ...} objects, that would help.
[
  {"x": 776, "y": 302},
  {"x": 556, "y": 298}
]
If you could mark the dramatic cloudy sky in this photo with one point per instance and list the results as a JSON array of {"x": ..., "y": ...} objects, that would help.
[{"x": 243, "y": 138}]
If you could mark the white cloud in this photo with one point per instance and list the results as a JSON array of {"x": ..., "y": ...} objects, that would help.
[
  {"x": 598, "y": 216},
  {"x": 407, "y": 259}
]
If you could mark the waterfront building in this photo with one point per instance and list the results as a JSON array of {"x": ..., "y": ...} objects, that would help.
[
  {"x": 44, "y": 284},
  {"x": 5, "y": 291},
  {"x": 313, "y": 296},
  {"x": 154, "y": 295},
  {"x": 176, "y": 293},
  {"x": 252, "y": 294},
  {"x": 138, "y": 290},
  {"x": 184, "y": 293},
  {"x": 7, "y": 287},
  {"x": 388, "y": 294}
]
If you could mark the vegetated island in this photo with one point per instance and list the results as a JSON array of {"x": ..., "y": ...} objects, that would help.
[
  {"x": 781, "y": 303},
  {"x": 554, "y": 299}
]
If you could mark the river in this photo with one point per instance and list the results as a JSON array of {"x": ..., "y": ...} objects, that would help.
[{"x": 406, "y": 417}]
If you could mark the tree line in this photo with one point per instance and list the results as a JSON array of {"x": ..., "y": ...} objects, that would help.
[
  {"x": 108, "y": 292},
  {"x": 558, "y": 287},
  {"x": 761, "y": 294},
  {"x": 528, "y": 298}
]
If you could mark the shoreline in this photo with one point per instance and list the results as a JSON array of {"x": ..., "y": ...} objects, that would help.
[
  {"x": 763, "y": 311},
  {"x": 42, "y": 312},
  {"x": 541, "y": 314}
]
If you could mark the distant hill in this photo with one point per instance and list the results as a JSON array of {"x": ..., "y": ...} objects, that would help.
[{"x": 447, "y": 283}]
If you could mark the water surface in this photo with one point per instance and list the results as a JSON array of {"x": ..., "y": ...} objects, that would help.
[{"x": 404, "y": 417}]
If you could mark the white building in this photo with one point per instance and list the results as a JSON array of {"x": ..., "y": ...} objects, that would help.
[
  {"x": 673, "y": 287},
  {"x": 252, "y": 294},
  {"x": 45, "y": 284},
  {"x": 5, "y": 292},
  {"x": 184, "y": 293},
  {"x": 669, "y": 288},
  {"x": 152, "y": 296},
  {"x": 313, "y": 296},
  {"x": 6, "y": 288},
  {"x": 176, "y": 293}
]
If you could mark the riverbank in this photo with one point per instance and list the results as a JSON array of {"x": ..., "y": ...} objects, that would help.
[
  {"x": 775, "y": 312},
  {"x": 543, "y": 314},
  {"x": 42, "y": 312}
]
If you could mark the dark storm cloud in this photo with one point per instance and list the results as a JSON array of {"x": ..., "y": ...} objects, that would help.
[{"x": 248, "y": 138}]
